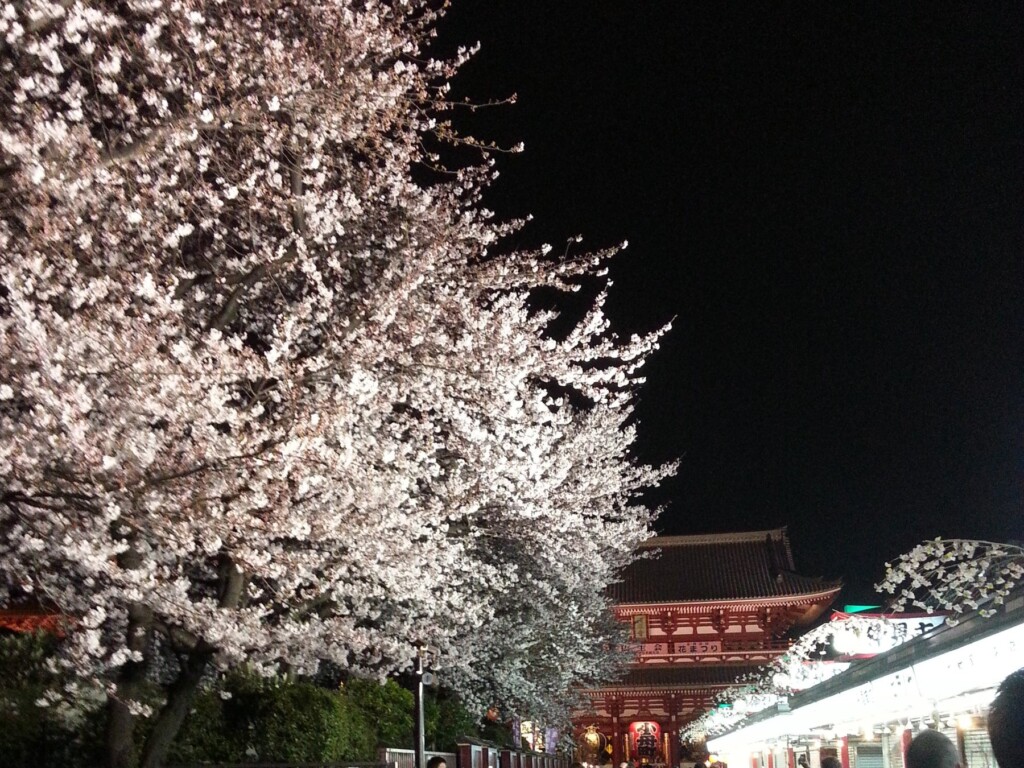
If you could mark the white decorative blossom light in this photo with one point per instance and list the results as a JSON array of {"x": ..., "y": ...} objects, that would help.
[{"x": 955, "y": 575}]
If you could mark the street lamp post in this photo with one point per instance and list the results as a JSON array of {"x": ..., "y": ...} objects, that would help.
[{"x": 420, "y": 740}]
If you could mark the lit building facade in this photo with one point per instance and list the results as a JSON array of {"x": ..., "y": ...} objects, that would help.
[
  {"x": 702, "y": 611},
  {"x": 866, "y": 716}
]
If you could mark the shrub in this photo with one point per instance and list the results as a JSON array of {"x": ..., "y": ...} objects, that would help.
[
  {"x": 276, "y": 720},
  {"x": 387, "y": 708},
  {"x": 448, "y": 722},
  {"x": 34, "y": 735},
  {"x": 241, "y": 718},
  {"x": 204, "y": 736}
]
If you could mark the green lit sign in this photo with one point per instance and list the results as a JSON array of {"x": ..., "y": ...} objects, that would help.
[{"x": 860, "y": 608}]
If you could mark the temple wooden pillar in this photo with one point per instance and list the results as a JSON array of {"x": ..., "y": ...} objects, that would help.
[
  {"x": 672, "y": 706},
  {"x": 618, "y": 753}
]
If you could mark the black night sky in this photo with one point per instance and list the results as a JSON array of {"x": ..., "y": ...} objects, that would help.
[{"x": 829, "y": 200}]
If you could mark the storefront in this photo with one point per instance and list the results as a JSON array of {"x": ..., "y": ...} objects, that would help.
[{"x": 867, "y": 715}]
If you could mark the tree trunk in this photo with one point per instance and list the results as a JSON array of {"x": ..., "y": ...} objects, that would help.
[
  {"x": 179, "y": 703},
  {"x": 183, "y": 691},
  {"x": 121, "y": 721}
]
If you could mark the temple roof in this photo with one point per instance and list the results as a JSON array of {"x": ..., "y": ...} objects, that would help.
[{"x": 715, "y": 567}]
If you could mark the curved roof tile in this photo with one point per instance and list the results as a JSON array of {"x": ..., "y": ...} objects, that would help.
[{"x": 729, "y": 566}]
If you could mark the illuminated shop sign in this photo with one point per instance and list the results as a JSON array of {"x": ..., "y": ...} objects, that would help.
[{"x": 868, "y": 635}]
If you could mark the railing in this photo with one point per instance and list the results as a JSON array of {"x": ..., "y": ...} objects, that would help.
[
  {"x": 469, "y": 756},
  {"x": 754, "y": 645},
  {"x": 335, "y": 764},
  {"x": 489, "y": 756},
  {"x": 406, "y": 758}
]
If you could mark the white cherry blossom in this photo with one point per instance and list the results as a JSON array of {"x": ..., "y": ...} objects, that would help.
[{"x": 269, "y": 399}]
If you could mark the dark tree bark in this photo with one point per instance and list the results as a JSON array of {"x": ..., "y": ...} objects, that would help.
[
  {"x": 197, "y": 659},
  {"x": 121, "y": 721},
  {"x": 179, "y": 702}
]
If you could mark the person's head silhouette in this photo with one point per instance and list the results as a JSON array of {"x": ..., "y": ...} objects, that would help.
[
  {"x": 1006, "y": 722},
  {"x": 930, "y": 749}
]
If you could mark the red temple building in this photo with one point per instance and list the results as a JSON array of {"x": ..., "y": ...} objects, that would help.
[
  {"x": 705, "y": 611},
  {"x": 32, "y": 619},
  {"x": 25, "y": 614}
]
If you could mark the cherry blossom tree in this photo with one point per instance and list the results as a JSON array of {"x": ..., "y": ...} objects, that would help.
[{"x": 268, "y": 397}]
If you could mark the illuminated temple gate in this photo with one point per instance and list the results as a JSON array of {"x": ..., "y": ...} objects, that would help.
[{"x": 707, "y": 610}]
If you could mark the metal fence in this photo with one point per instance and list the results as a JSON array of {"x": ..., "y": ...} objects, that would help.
[
  {"x": 477, "y": 755},
  {"x": 336, "y": 764},
  {"x": 406, "y": 758},
  {"x": 470, "y": 756}
]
